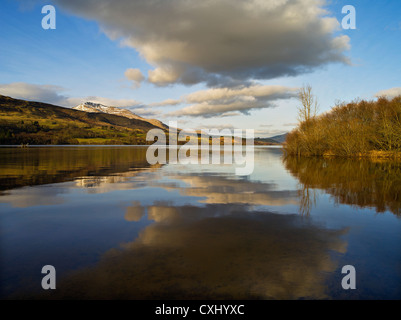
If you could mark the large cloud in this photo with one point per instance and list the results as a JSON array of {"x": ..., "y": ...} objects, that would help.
[
  {"x": 51, "y": 94},
  {"x": 224, "y": 101},
  {"x": 220, "y": 42}
]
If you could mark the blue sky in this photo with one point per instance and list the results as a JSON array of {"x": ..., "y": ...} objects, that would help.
[{"x": 89, "y": 52}]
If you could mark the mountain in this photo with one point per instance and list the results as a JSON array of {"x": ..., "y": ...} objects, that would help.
[
  {"x": 100, "y": 108},
  {"x": 41, "y": 123}
]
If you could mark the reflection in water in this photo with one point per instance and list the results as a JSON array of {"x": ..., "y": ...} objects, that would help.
[
  {"x": 362, "y": 183},
  {"x": 220, "y": 189},
  {"x": 214, "y": 252},
  {"x": 42, "y": 165},
  {"x": 134, "y": 212},
  {"x": 118, "y": 228}
]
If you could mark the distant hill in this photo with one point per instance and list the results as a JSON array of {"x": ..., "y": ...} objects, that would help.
[
  {"x": 280, "y": 139},
  {"x": 264, "y": 142},
  {"x": 41, "y": 123}
]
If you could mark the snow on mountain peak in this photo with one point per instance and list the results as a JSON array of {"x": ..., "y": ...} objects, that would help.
[{"x": 100, "y": 108}]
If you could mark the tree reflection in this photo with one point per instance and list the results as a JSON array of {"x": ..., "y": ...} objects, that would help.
[
  {"x": 362, "y": 183},
  {"x": 307, "y": 199}
]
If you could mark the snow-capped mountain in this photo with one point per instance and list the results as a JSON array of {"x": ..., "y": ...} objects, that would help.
[{"x": 100, "y": 108}]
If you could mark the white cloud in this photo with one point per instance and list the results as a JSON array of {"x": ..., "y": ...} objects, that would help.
[
  {"x": 147, "y": 112},
  {"x": 214, "y": 126},
  {"x": 247, "y": 94},
  {"x": 268, "y": 133},
  {"x": 135, "y": 75},
  {"x": 389, "y": 93},
  {"x": 220, "y": 42},
  {"x": 34, "y": 92},
  {"x": 230, "y": 101},
  {"x": 167, "y": 102},
  {"x": 230, "y": 114}
]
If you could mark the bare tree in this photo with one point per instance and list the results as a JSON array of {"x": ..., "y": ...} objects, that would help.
[{"x": 309, "y": 105}]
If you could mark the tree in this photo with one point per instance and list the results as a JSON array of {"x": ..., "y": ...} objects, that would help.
[{"x": 309, "y": 105}]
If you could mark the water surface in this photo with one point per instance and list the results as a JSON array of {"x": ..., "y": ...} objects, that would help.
[{"x": 116, "y": 227}]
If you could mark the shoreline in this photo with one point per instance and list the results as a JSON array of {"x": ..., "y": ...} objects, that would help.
[{"x": 374, "y": 154}]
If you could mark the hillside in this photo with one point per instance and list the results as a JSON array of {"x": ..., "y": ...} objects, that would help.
[{"x": 40, "y": 123}]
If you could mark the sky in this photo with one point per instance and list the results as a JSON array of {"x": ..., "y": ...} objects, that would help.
[{"x": 205, "y": 64}]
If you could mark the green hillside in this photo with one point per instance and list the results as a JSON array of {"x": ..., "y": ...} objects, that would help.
[{"x": 23, "y": 122}]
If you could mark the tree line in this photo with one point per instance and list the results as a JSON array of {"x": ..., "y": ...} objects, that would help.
[{"x": 348, "y": 129}]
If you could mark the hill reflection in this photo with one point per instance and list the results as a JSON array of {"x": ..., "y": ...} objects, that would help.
[{"x": 44, "y": 165}]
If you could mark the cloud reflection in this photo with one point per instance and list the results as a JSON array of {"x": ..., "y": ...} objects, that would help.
[
  {"x": 213, "y": 252},
  {"x": 134, "y": 212},
  {"x": 225, "y": 189}
]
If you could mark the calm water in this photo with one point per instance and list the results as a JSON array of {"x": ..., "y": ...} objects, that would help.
[{"x": 115, "y": 227}]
